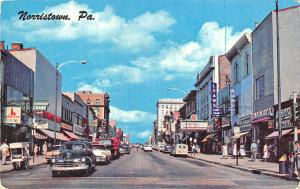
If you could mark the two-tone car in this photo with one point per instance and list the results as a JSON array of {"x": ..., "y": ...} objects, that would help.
[
  {"x": 76, "y": 156},
  {"x": 103, "y": 155},
  {"x": 54, "y": 152},
  {"x": 180, "y": 150}
]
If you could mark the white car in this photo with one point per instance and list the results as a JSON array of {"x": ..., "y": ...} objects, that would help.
[{"x": 148, "y": 148}]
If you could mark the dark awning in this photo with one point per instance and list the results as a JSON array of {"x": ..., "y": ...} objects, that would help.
[{"x": 276, "y": 133}]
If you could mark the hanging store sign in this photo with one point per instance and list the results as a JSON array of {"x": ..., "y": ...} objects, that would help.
[
  {"x": 40, "y": 123},
  {"x": 216, "y": 111},
  {"x": 77, "y": 129},
  {"x": 12, "y": 115},
  {"x": 194, "y": 125},
  {"x": 40, "y": 105}
]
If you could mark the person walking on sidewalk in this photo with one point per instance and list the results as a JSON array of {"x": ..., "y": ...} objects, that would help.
[
  {"x": 253, "y": 149},
  {"x": 5, "y": 152},
  {"x": 225, "y": 151},
  {"x": 45, "y": 149},
  {"x": 297, "y": 158},
  {"x": 291, "y": 159},
  {"x": 35, "y": 150},
  {"x": 194, "y": 149},
  {"x": 266, "y": 152}
]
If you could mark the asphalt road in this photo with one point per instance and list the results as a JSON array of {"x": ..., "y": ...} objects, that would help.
[{"x": 147, "y": 170}]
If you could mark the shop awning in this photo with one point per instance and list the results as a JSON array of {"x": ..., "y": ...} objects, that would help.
[
  {"x": 59, "y": 136},
  {"x": 276, "y": 133},
  {"x": 240, "y": 134},
  {"x": 39, "y": 136},
  {"x": 72, "y": 135},
  {"x": 207, "y": 137},
  {"x": 262, "y": 119}
]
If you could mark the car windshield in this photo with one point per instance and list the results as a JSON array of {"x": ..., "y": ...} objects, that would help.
[
  {"x": 74, "y": 147},
  {"x": 105, "y": 142},
  {"x": 99, "y": 147}
]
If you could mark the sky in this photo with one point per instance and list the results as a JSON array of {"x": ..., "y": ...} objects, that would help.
[{"x": 135, "y": 49}]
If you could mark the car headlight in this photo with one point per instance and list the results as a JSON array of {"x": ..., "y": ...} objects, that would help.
[
  {"x": 53, "y": 160},
  {"x": 76, "y": 160},
  {"x": 83, "y": 159},
  {"x": 103, "y": 153}
]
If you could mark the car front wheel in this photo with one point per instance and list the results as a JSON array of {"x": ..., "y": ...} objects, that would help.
[{"x": 87, "y": 171}]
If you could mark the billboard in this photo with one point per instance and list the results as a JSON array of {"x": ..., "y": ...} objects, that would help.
[
  {"x": 216, "y": 111},
  {"x": 193, "y": 125},
  {"x": 12, "y": 115}
]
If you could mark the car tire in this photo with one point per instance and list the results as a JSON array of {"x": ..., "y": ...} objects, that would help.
[
  {"x": 54, "y": 173},
  {"x": 87, "y": 172}
]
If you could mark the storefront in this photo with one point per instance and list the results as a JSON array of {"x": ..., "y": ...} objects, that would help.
[
  {"x": 246, "y": 138},
  {"x": 16, "y": 99},
  {"x": 263, "y": 125}
]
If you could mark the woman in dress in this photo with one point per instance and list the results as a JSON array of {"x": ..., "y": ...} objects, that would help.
[
  {"x": 35, "y": 150},
  {"x": 266, "y": 152}
]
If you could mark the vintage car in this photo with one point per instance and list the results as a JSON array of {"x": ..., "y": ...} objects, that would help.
[
  {"x": 148, "y": 148},
  {"x": 54, "y": 152},
  {"x": 76, "y": 156},
  {"x": 19, "y": 156},
  {"x": 180, "y": 150},
  {"x": 103, "y": 155},
  {"x": 124, "y": 149}
]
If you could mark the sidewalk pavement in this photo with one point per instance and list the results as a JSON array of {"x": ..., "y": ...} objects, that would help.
[
  {"x": 37, "y": 160},
  {"x": 246, "y": 164}
]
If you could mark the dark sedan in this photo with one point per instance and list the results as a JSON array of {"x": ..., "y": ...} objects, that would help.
[{"x": 77, "y": 156}]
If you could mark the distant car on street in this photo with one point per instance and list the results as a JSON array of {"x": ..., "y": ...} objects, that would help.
[
  {"x": 167, "y": 149},
  {"x": 148, "y": 148},
  {"x": 124, "y": 149},
  {"x": 180, "y": 150},
  {"x": 77, "y": 156},
  {"x": 161, "y": 147}
]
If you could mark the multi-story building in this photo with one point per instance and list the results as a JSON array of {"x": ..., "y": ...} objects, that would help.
[
  {"x": 164, "y": 108},
  {"x": 209, "y": 81},
  {"x": 78, "y": 114},
  {"x": 46, "y": 89},
  {"x": 240, "y": 57},
  {"x": 16, "y": 91},
  {"x": 264, "y": 61},
  {"x": 100, "y": 104}
]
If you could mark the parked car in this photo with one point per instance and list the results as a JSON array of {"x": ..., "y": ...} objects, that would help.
[
  {"x": 167, "y": 149},
  {"x": 148, "y": 148},
  {"x": 54, "y": 152},
  {"x": 103, "y": 155},
  {"x": 161, "y": 147},
  {"x": 124, "y": 149},
  {"x": 77, "y": 156},
  {"x": 180, "y": 150}
]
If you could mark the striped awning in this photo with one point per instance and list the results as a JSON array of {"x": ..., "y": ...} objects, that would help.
[
  {"x": 51, "y": 134},
  {"x": 39, "y": 136}
]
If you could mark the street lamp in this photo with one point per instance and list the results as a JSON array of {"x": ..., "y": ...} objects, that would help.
[{"x": 56, "y": 90}]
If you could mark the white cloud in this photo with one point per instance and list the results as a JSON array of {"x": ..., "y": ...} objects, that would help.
[
  {"x": 297, "y": 1},
  {"x": 133, "y": 34},
  {"x": 143, "y": 134},
  {"x": 130, "y": 116},
  {"x": 82, "y": 86},
  {"x": 174, "y": 60}
]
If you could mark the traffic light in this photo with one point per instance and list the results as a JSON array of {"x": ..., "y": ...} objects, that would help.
[{"x": 295, "y": 113}]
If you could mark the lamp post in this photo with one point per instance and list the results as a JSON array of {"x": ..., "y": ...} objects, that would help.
[
  {"x": 278, "y": 79},
  {"x": 56, "y": 88}
]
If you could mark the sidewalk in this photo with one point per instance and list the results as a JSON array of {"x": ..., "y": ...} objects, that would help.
[
  {"x": 246, "y": 164},
  {"x": 37, "y": 160}
]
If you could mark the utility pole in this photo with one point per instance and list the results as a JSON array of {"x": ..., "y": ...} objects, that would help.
[
  {"x": 294, "y": 121},
  {"x": 278, "y": 80}
]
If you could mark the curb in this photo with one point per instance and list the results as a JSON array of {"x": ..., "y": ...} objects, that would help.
[
  {"x": 31, "y": 167},
  {"x": 258, "y": 171}
]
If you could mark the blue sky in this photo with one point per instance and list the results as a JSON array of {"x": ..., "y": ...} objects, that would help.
[{"x": 135, "y": 49}]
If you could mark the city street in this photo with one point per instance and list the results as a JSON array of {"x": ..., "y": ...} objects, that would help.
[{"x": 146, "y": 170}]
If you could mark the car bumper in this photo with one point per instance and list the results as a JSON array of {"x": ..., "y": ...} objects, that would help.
[
  {"x": 76, "y": 167},
  {"x": 100, "y": 159}
]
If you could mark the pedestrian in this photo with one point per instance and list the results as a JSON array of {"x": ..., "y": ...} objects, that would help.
[
  {"x": 27, "y": 147},
  {"x": 297, "y": 157},
  {"x": 225, "y": 151},
  {"x": 266, "y": 152},
  {"x": 4, "y": 151},
  {"x": 35, "y": 150},
  {"x": 253, "y": 149},
  {"x": 45, "y": 149},
  {"x": 242, "y": 150},
  {"x": 291, "y": 159},
  {"x": 194, "y": 149}
]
